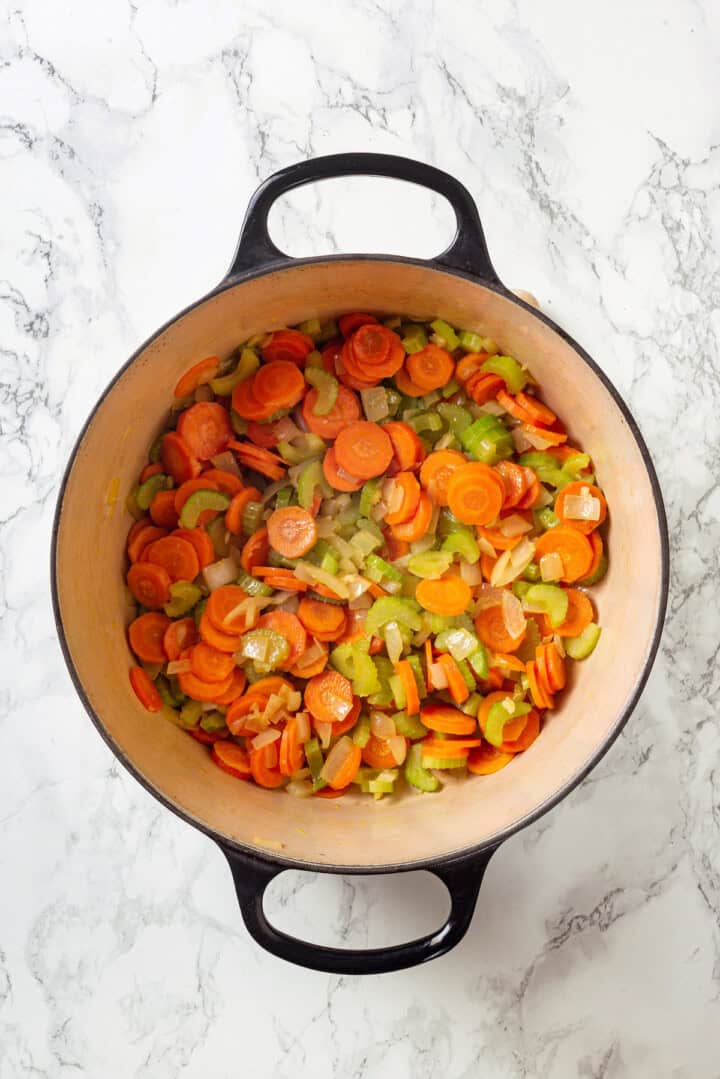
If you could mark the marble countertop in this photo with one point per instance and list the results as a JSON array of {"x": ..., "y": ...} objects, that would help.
[{"x": 132, "y": 133}]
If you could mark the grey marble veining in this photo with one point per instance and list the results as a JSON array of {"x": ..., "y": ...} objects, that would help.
[{"x": 131, "y": 135}]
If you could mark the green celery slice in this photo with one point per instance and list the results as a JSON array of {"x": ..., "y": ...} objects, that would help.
[
  {"x": 416, "y": 774},
  {"x": 183, "y": 597},
  {"x": 199, "y": 501},
  {"x": 580, "y": 647}
]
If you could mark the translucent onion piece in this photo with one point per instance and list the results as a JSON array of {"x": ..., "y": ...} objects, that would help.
[
  {"x": 514, "y": 525},
  {"x": 522, "y": 442},
  {"x": 379, "y": 510},
  {"x": 558, "y": 642},
  {"x": 492, "y": 408},
  {"x": 362, "y": 603},
  {"x": 303, "y": 773},
  {"x": 325, "y": 527},
  {"x": 511, "y": 564},
  {"x": 375, "y": 403},
  {"x": 393, "y": 642},
  {"x": 393, "y": 495},
  {"x": 536, "y": 441},
  {"x": 311, "y": 654},
  {"x": 356, "y": 585},
  {"x": 333, "y": 506},
  {"x": 551, "y": 567},
  {"x": 488, "y": 597},
  {"x": 543, "y": 499},
  {"x": 382, "y": 726},
  {"x": 398, "y": 748},
  {"x": 265, "y": 738},
  {"x": 294, "y": 472},
  {"x": 290, "y": 603},
  {"x": 226, "y": 462},
  {"x": 432, "y": 526},
  {"x": 302, "y": 721},
  {"x": 272, "y": 490},
  {"x": 275, "y": 704},
  {"x": 337, "y": 758},
  {"x": 324, "y": 733},
  {"x": 422, "y": 545},
  {"x": 286, "y": 429},
  {"x": 179, "y": 666},
  {"x": 582, "y": 507},
  {"x": 513, "y": 615},
  {"x": 291, "y": 697},
  {"x": 471, "y": 573},
  {"x": 438, "y": 676},
  {"x": 304, "y": 571},
  {"x": 220, "y": 573},
  {"x": 486, "y": 547},
  {"x": 299, "y": 788}
]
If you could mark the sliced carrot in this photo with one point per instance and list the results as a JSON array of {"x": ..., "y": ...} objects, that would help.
[
  {"x": 447, "y": 596},
  {"x": 509, "y": 403},
  {"x": 541, "y": 698},
  {"x": 178, "y": 459},
  {"x": 291, "y": 628},
  {"x": 271, "y": 683},
  {"x": 344, "y": 725},
  {"x": 279, "y": 384},
  {"x": 407, "y": 679},
  {"x": 260, "y": 460},
  {"x": 528, "y": 735},
  {"x": 483, "y": 386},
  {"x": 263, "y": 434},
  {"x": 515, "y": 481},
  {"x": 312, "y": 669},
  {"x": 487, "y": 565},
  {"x": 198, "y": 688},
  {"x": 197, "y": 375},
  {"x": 150, "y": 470},
  {"x": 144, "y": 689},
  {"x": 349, "y": 769},
  {"x": 175, "y": 555},
  {"x": 162, "y": 509},
  {"x": 406, "y": 494},
  {"x": 328, "y": 792},
  {"x": 224, "y": 481},
  {"x": 149, "y": 584},
  {"x": 597, "y": 548},
  {"x": 456, "y": 683},
  {"x": 373, "y": 352},
  {"x": 139, "y": 539},
  {"x": 377, "y": 753},
  {"x": 292, "y": 754},
  {"x": 448, "y": 720},
  {"x": 329, "y": 696},
  {"x": 430, "y": 368},
  {"x": 349, "y": 323},
  {"x": 406, "y": 385},
  {"x": 205, "y": 428},
  {"x": 436, "y": 471},
  {"x": 337, "y": 477},
  {"x": 234, "y": 512},
  {"x": 329, "y": 354},
  {"x": 538, "y": 413},
  {"x": 470, "y": 364},
  {"x": 239, "y": 709},
  {"x": 553, "y": 437},
  {"x": 221, "y": 641},
  {"x": 286, "y": 581},
  {"x": 498, "y": 540},
  {"x": 288, "y": 346},
  {"x": 183, "y": 492},
  {"x": 346, "y": 371},
  {"x": 146, "y": 634},
  {"x": 255, "y": 550},
  {"x": 208, "y": 738},
  {"x": 408, "y": 450},
  {"x": 246, "y": 404},
  {"x": 363, "y": 449},
  {"x": 237, "y": 688},
  {"x": 264, "y": 767},
  {"x": 199, "y": 539},
  {"x": 579, "y": 615},
  {"x": 451, "y": 748},
  {"x": 574, "y": 549},
  {"x": 179, "y": 635},
  {"x": 232, "y": 759},
  {"x": 554, "y": 667},
  {"x": 510, "y": 663},
  {"x": 490, "y": 625},
  {"x": 292, "y": 531},
  {"x": 486, "y": 760},
  {"x": 209, "y": 663},
  {"x": 345, "y": 410},
  {"x": 573, "y": 490},
  {"x": 417, "y": 526},
  {"x": 532, "y": 493},
  {"x": 513, "y": 727},
  {"x": 475, "y": 493},
  {"x": 323, "y": 621}
]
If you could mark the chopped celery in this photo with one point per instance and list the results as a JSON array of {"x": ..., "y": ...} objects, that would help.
[
  {"x": 521, "y": 588},
  {"x": 377, "y": 569},
  {"x": 393, "y": 609},
  {"x": 266, "y": 648},
  {"x": 190, "y": 714},
  {"x": 200, "y": 501},
  {"x": 447, "y": 523},
  {"x": 398, "y": 691},
  {"x": 440, "y": 622},
  {"x": 238, "y": 424},
  {"x": 183, "y": 597},
  {"x": 310, "y": 480},
  {"x": 450, "y": 339},
  {"x": 313, "y": 360},
  {"x": 419, "y": 676},
  {"x": 462, "y": 542},
  {"x": 369, "y": 496},
  {"x": 442, "y": 762},
  {"x": 546, "y": 518},
  {"x": 509, "y": 370},
  {"x": 315, "y": 762},
  {"x": 156, "y": 449},
  {"x": 199, "y": 610},
  {"x": 327, "y": 389},
  {"x": 544, "y": 466},
  {"x": 451, "y": 388},
  {"x": 166, "y": 692},
  {"x": 365, "y": 542},
  {"x": 285, "y": 497},
  {"x": 217, "y": 532},
  {"x": 549, "y": 599},
  {"x": 311, "y": 327},
  {"x": 252, "y": 517},
  {"x": 575, "y": 464},
  {"x": 499, "y": 715},
  {"x": 328, "y": 330},
  {"x": 254, "y": 586},
  {"x": 247, "y": 365},
  {"x": 532, "y": 572},
  {"x": 458, "y": 642},
  {"x": 409, "y": 726},
  {"x": 430, "y": 565},
  {"x": 393, "y": 399},
  {"x": 385, "y": 671},
  {"x": 361, "y": 732},
  {"x": 414, "y": 338},
  {"x": 367, "y": 524},
  {"x": 353, "y": 661},
  {"x": 147, "y": 490},
  {"x": 479, "y": 662},
  {"x": 487, "y": 440},
  {"x": 469, "y": 341},
  {"x": 580, "y": 647},
  {"x": 471, "y": 706},
  {"x": 212, "y": 722},
  {"x": 598, "y": 574},
  {"x": 426, "y": 421},
  {"x": 468, "y": 679},
  {"x": 276, "y": 559},
  {"x": 132, "y": 507},
  {"x": 457, "y": 418},
  {"x": 416, "y": 775}
]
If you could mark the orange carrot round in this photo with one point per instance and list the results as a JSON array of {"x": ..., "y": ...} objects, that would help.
[
  {"x": 199, "y": 539},
  {"x": 337, "y": 477},
  {"x": 149, "y": 584},
  {"x": 329, "y": 696},
  {"x": 363, "y": 449},
  {"x": 175, "y": 555},
  {"x": 430, "y": 368},
  {"x": 146, "y": 634},
  {"x": 238, "y": 682},
  {"x": 197, "y": 375},
  {"x": 279, "y": 384},
  {"x": 210, "y": 664},
  {"x": 406, "y": 496},
  {"x": 349, "y": 323},
  {"x": 579, "y": 615},
  {"x": 573, "y": 490},
  {"x": 224, "y": 481},
  {"x": 406, "y": 385},
  {"x": 436, "y": 471},
  {"x": 408, "y": 450},
  {"x": 377, "y": 753},
  {"x": 448, "y": 720},
  {"x": 323, "y": 621},
  {"x": 263, "y": 461},
  {"x": 205, "y": 428},
  {"x": 232, "y": 759},
  {"x": 448, "y": 596},
  {"x": 234, "y": 512},
  {"x": 220, "y": 607},
  {"x": 178, "y": 459},
  {"x": 246, "y": 404},
  {"x": 574, "y": 549},
  {"x": 345, "y": 410},
  {"x": 490, "y": 625},
  {"x": 486, "y": 760},
  {"x": 139, "y": 539},
  {"x": 228, "y": 643},
  {"x": 291, "y": 628},
  {"x": 483, "y": 386},
  {"x": 292, "y": 754},
  {"x": 179, "y": 635},
  {"x": 162, "y": 509},
  {"x": 292, "y": 531},
  {"x": 288, "y": 346},
  {"x": 407, "y": 679},
  {"x": 144, "y": 689},
  {"x": 475, "y": 493},
  {"x": 264, "y": 767},
  {"x": 417, "y": 526}
]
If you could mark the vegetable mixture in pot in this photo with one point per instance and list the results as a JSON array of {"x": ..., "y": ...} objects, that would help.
[{"x": 361, "y": 552}]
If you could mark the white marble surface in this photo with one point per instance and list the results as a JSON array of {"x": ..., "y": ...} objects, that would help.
[{"x": 131, "y": 135}]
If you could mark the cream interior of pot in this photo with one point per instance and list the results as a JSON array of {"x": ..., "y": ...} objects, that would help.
[{"x": 353, "y": 830}]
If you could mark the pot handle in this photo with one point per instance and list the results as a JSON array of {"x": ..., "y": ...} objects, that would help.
[
  {"x": 462, "y": 880},
  {"x": 467, "y": 252}
]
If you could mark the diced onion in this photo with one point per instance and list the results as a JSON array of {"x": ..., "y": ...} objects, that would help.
[
  {"x": 272, "y": 490},
  {"x": 337, "y": 758},
  {"x": 486, "y": 546},
  {"x": 311, "y": 655},
  {"x": 536, "y": 441},
  {"x": 398, "y": 748},
  {"x": 375, "y": 403},
  {"x": 582, "y": 507},
  {"x": 220, "y": 573},
  {"x": 379, "y": 510},
  {"x": 513, "y": 615},
  {"x": 551, "y": 567},
  {"x": 444, "y": 441},
  {"x": 302, "y": 721},
  {"x": 512, "y": 563},
  {"x": 302, "y": 773},
  {"x": 324, "y": 733},
  {"x": 179, "y": 666},
  {"x": 304, "y": 571},
  {"x": 203, "y": 393},
  {"x": 543, "y": 499},
  {"x": 492, "y": 408},
  {"x": 420, "y": 546},
  {"x": 265, "y": 738},
  {"x": 522, "y": 442},
  {"x": 299, "y": 419},
  {"x": 300, "y": 788},
  {"x": 356, "y": 585},
  {"x": 290, "y": 603},
  {"x": 393, "y": 495},
  {"x": 274, "y": 704},
  {"x": 488, "y": 596},
  {"x": 393, "y": 642},
  {"x": 291, "y": 697},
  {"x": 333, "y": 506},
  {"x": 471, "y": 573},
  {"x": 438, "y": 676},
  {"x": 286, "y": 429},
  {"x": 514, "y": 525},
  {"x": 226, "y": 462},
  {"x": 362, "y": 603},
  {"x": 382, "y": 726},
  {"x": 432, "y": 526},
  {"x": 558, "y": 642},
  {"x": 325, "y": 527}
]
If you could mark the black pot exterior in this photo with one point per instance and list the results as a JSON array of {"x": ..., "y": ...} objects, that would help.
[{"x": 467, "y": 256}]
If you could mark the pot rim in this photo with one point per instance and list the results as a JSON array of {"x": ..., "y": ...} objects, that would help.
[{"x": 465, "y": 854}]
